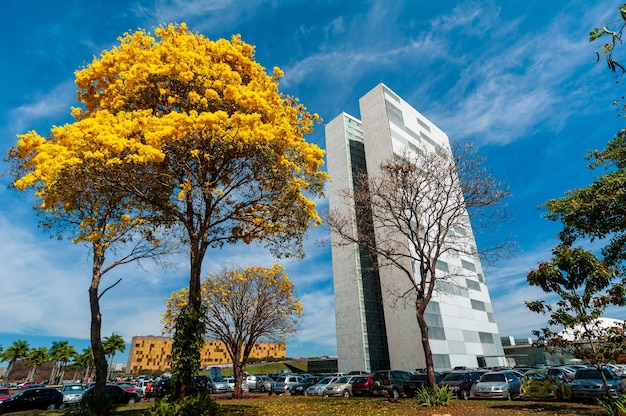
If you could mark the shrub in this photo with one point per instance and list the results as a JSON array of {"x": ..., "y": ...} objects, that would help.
[
  {"x": 614, "y": 406},
  {"x": 92, "y": 405},
  {"x": 198, "y": 405},
  {"x": 439, "y": 396}
]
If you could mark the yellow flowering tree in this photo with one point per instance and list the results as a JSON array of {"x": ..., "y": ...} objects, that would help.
[
  {"x": 243, "y": 307},
  {"x": 79, "y": 203},
  {"x": 198, "y": 132}
]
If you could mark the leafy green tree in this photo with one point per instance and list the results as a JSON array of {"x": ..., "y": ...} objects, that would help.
[
  {"x": 17, "y": 351},
  {"x": 36, "y": 357},
  {"x": 599, "y": 210},
  {"x": 111, "y": 345},
  {"x": 585, "y": 287},
  {"x": 61, "y": 352}
]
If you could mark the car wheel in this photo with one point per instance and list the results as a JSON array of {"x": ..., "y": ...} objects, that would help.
[
  {"x": 465, "y": 395},
  {"x": 51, "y": 406},
  {"x": 131, "y": 400},
  {"x": 394, "y": 393},
  {"x": 262, "y": 389},
  {"x": 210, "y": 389},
  {"x": 346, "y": 393},
  {"x": 509, "y": 396}
]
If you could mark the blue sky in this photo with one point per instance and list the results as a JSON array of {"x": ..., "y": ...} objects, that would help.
[{"x": 515, "y": 77}]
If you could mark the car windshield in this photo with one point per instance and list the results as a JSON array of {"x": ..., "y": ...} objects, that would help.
[
  {"x": 492, "y": 378},
  {"x": 343, "y": 380},
  {"x": 535, "y": 376},
  {"x": 280, "y": 379},
  {"x": 360, "y": 379},
  {"x": 218, "y": 378},
  {"x": 590, "y": 374},
  {"x": 326, "y": 380},
  {"x": 454, "y": 377},
  {"x": 73, "y": 388}
]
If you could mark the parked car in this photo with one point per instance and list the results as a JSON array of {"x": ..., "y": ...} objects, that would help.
[
  {"x": 116, "y": 394},
  {"x": 363, "y": 385},
  {"x": 390, "y": 382},
  {"x": 36, "y": 398},
  {"x": 588, "y": 383},
  {"x": 318, "y": 388},
  {"x": 127, "y": 386},
  {"x": 5, "y": 393},
  {"x": 503, "y": 384},
  {"x": 259, "y": 383},
  {"x": 417, "y": 381},
  {"x": 162, "y": 388},
  {"x": 282, "y": 384},
  {"x": 217, "y": 385},
  {"x": 461, "y": 382},
  {"x": 231, "y": 384},
  {"x": 546, "y": 383},
  {"x": 340, "y": 387},
  {"x": 72, "y": 394},
  {"x": 300, "y": 388},
  {"x": 144, "y": 387}
]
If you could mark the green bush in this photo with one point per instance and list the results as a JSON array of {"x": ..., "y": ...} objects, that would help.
[
  {"x": 198, "y": 405},
  {"x": 614, "y": 406},
  {"x": 95, "y": 406},
  {"x": 439, "y": 396}
]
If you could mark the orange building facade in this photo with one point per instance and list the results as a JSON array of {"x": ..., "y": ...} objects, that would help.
[{"x": 154, "y": 354}]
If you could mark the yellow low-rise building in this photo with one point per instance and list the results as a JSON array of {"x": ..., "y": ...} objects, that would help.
[{"x": 154, "y": 354}]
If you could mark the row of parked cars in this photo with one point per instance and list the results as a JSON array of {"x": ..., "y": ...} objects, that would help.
[{"x": 547, "y": 383}]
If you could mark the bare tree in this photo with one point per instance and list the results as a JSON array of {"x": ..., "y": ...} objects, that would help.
[{"x": 414, "y": 210}]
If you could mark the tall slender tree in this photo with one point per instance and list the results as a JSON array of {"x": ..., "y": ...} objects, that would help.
[
  {"x": 111, "y": 345},
  {"x": 16, "y": 351},
  {"x": 36, "y": 357},
  {"x": 61, "y": 352},
  {"x": 412, "y": 211}
]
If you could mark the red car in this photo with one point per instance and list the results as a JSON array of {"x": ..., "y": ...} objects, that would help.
[
  {"x": 5, "y": 393},
  {"x": 127, "y": 387},
  {"x": 363, "y": 385}
]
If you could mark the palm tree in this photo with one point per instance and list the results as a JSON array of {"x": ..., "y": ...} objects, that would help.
[
  {"x": 111, "y": 345},
  {"x": 85, "y": 362},
  {"x": 17, "y": 351},
  {"x": 61, "y": 353},
  {"x": 36, "y": 357}
]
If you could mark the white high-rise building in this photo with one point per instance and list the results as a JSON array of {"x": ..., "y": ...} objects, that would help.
[{"x": 374, "y": 332}]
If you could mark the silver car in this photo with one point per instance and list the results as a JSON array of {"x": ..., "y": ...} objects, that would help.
[
  {"x": 341, "y": 387},
  {"x": 259, "y": 383},
  {"x": 319, "y": 388},
  {"x": 498, "y": 385},
  {"x": 282, "y": 384},
  {"x": 72, "y": 394}
]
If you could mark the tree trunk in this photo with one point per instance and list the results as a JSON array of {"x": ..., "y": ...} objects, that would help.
[
  {"x": 239, "y": 372},
  {"x": 96, "y": 329},
  {"x": 428, "y": 354}
]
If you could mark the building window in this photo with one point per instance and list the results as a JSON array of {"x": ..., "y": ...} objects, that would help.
[
  {"x": 486, "y": 338},
  {"x": 423, "y": 125},
  {"x": 441, "y": 360},
  {"x": 472, "y": 284},
  {"x": 442, "y": 265},
  {"x": 478, "y": 305},
  {"x": 468, "y": 265},
  {"x": 436, "y": 333}
]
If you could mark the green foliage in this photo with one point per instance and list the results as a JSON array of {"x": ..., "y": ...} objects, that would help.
[
  {"x": 198, "y": 405},
  {"x": 93, "y": 405},
  {"x": 585, "y": 287},
  {"x": 439, "y": 396},
  {"x": 189, "y": 330},
  {"x": 614, "y": 406}
]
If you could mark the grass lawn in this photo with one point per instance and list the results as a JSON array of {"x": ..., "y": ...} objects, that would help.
[{"x": 370, "y": 406}]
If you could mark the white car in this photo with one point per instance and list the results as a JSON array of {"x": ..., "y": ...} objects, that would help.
[
  {"x": 231, "y": 384},
  {"x": 140, "y": 387}
]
